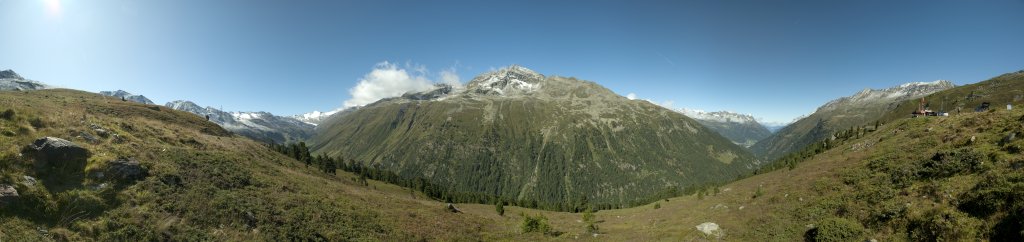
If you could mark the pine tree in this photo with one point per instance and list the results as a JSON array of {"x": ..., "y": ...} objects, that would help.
[{"x": 500, "y": 208}]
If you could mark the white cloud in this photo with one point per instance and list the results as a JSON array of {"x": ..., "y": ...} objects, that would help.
[
  {"x": 388, "y": 80},
  {"x": 631, "y": 96},
  {"x": 450, "y": 77}
]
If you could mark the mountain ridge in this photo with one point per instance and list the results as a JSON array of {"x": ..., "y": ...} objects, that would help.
[
  {"x": 128, "y": 96},
  {"x": 512, "y": 133},
  {"x": 861, "y": 108}
]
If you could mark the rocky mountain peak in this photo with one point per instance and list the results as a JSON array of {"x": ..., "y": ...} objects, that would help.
[
  {"x": 510, "y": 80},
  {"x": 5, "y": 74},
  {"x": 128, "y": 96},
  {"x": 718, "y": 116},
  {"x": 897, "y": 93}
]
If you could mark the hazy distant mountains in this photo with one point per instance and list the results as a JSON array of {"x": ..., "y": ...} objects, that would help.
[
  {"x": 128, "y": 96},
  {"x": 861, "y": 108},
  {"x": 11, "y": 81},
  {"x": 522, "y": 136},
  {"x": 742, "y": 129},
  {"x": 261, "y": 126}
]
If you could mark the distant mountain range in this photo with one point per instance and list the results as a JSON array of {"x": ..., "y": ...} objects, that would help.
[
  {"x": 742, "y": 129},
  {"x": 861, "y": 108},
  {"x": 260, "y": 126},
  {"x": 11, "y": 81},
  {"x": 521, "y": 136},
  {"x": 128, "y": 96}
]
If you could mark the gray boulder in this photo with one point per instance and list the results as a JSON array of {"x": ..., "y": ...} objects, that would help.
[
  {"x": 1008, "y": 138},
  {"x": 126, "y": 170},
  {"x": 451, "y": 208},
  {"x": 29, "y": 181},
  {"x": 56, "y": 154},
  {"x": 7, "y": 194}
]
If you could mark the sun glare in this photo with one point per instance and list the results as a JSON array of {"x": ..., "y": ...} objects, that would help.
[{"x": 53, "y": 7}]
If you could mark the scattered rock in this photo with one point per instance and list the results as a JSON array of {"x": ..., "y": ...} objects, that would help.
[
  {"x": 56, "y": 154},
  {"x": 118, "y": 139},
  {"x": 126, "y": 170},
  {"x": 88, "y": 137},
  {"x": 710, "y": 229},
  {"x": 100, "y": 186},
  {"x": 452, "y": 208},
  {"x": 171, "y": 180},
  {"x": 1008, "y": 138},
  {"x": 29, "y": 181},
  {"x": 7, "y": 194},
  {"x": 102, "y": 132}
]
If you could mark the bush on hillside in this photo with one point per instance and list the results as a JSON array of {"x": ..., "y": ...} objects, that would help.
[
  {"x": 7, "y": 114},
  {"x": 943, "y": 224},
  {"x": 837, "y": 229},
  {"x": 535, "y": 224},
  {"x": 500, "y": 208},
  {"x": 949, "y": 163},
  {"x": 995, "y": 193}
]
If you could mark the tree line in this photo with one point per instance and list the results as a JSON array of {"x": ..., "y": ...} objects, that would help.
[{"x": 300, "y": 152}]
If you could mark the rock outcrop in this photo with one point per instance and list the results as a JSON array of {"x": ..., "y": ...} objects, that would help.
[{"x": 126, "y": 170}]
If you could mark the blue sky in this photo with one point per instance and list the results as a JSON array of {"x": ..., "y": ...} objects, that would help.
[{"x": 773, "y": 59}]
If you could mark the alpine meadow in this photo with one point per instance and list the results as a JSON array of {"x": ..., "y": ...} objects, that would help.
[{"x": 460, "y": 120}]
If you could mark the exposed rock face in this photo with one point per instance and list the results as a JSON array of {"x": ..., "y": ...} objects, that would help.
[
  {"x": 29, "y": 181},
  {"x": 56, "y": 154},
  {"x": 710, "y": 229},
  {"x": 10, "y": 81},
  {"x": 126, "y": 170},
  {"x": 5, "y": 74},
  {"x": 7, "y": 194}
]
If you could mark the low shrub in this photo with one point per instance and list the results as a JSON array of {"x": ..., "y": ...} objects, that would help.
[
  {"x": 836, "y": 229},
  {"x": 949, "y": 163},
  {"x": 942, "y": 224},
  {"x": 7, "y": 114},
  {"x": 535, "y": 224}
]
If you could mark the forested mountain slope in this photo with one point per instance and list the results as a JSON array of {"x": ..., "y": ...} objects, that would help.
[{"x": 550, "y": 142}]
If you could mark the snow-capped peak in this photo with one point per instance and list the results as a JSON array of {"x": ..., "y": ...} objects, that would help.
[
  {"x": 901, "y": 92},
  {"x": 10, "y": 81},
  {"x": 315, "y": 117},
  {"x": 128, "y": 96},
  {"x": 10, "y": 74},
  {"x": 510, "y": 80},
  {"x": 718, "y": 116}
]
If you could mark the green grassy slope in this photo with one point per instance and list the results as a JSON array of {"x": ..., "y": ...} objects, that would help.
[
  {"x": 912, "y": 180},
  {"x": 203, "y": 183},
  {"x": 570, "y": 144}
]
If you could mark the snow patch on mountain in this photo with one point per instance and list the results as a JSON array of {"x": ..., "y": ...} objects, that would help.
[
  {"x": 128, "y": 96},
  {"x": 261, "y": 126},
  {"x": 315, "y": 117},
  {"x": 718, "y": 116},
  {"x": 11, "y": 81},
  {"x": 902, "y": 92},
  {"x": 511, "y": 80}
]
